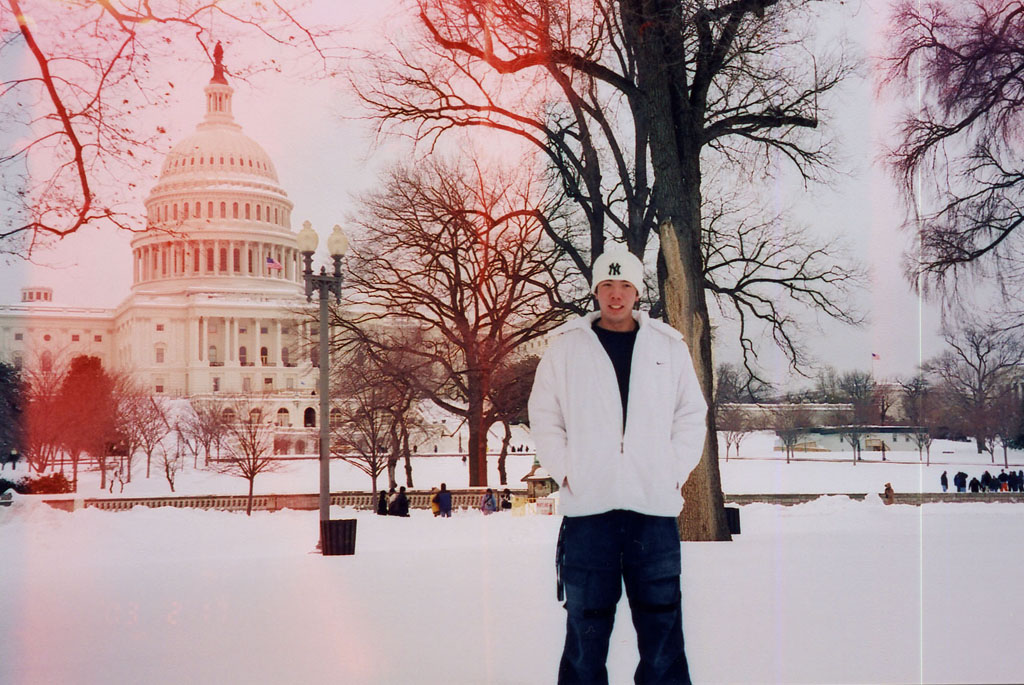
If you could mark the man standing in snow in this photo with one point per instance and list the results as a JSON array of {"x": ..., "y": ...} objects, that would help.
[{"x": 618, "y": 418}]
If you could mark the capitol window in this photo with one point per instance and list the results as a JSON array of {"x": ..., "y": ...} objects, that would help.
[
  {"x": 74, "y": 337},
  {"x": 159, "y": 355},
  {"x": 234, "y": 210},
  {"x": 223, "y": 210}
]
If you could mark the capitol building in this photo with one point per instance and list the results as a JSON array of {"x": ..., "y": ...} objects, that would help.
[{"x": 217, "y": 287}]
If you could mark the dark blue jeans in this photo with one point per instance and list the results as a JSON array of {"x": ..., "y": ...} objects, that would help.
[{"x": 597, "y": 555}]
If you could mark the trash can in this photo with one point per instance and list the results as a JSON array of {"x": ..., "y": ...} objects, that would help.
[
  {"x": 338, "y": 537},
  {"x": 732, "y": 519}
]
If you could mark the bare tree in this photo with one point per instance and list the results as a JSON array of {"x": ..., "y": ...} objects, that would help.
[
  {"x": 510, "y": 393},
  {"x": 76, "y": 101},
  {"x": 791, "y": 425},
  {"x": 456, "y": 258},
  {"x": 206, "y": 424},
  {"x": 884, "y": 398},
  {"x": 955, "y": 153},
  {"x": 248, "y": 445},
  {"x": 42, "y": 422},
  {"x": 361, "y": 424},
  {"x": 920, "y": 408},
  {"x": 144, "y": 419},
  {"x": 1007, "y": 422},
  {"x": 737, "y": 384},
  {"x": 977, "y": 370},
  {"x": 629, "y": 102},
  {"x": 733, "y": 425}
]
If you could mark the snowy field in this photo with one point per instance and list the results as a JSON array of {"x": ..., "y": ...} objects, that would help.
[{"x": 835, "y": 591}]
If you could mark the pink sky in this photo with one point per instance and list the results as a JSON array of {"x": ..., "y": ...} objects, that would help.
[{"x": 325, "y": 159}]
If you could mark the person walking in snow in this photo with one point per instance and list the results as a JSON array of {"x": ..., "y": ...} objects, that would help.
[
  {"x": 618, "y": 420},
  {"x": 944, "y": 481},
  {"x": 435, "y": 508},
  {"x": 382, "y": 504},
  {"x": 400, "y": 507}
]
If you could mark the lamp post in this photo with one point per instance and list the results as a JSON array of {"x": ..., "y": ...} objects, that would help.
[{"x": 326, "y": 285}]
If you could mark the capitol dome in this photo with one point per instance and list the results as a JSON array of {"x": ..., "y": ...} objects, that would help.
[{"x": 217, "y": 211}]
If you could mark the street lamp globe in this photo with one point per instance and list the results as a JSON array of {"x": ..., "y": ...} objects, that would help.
[
  {"x": 307, "y": 239},
  {"x": 337, "y": 242}
]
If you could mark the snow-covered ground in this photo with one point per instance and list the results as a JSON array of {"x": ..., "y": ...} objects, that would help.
[{"x": 835, "y": 591}]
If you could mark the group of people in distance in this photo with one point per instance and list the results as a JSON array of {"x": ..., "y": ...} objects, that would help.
[
  {"x": 490, "y": 504},
  {"x": 1004, "y": 482},
  {"x": 396, "y": 502},
  {"x": 393, "y": 503}
]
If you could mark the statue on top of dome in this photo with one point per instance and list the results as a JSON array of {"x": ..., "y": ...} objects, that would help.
[{"x": 218, "y": 65}]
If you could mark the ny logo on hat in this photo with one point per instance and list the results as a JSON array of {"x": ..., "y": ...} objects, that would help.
[{"x": 614, "y": 269}]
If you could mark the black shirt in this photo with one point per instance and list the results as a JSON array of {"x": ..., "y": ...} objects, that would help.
[{"x": 619, "y": 346}]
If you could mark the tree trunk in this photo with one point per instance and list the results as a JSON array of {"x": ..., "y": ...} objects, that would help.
[
  {"x": 248, "y": 505},
  {"x": 408, "y": 460},
  {"x": 653, "y": 29},
  {"x": 392, "y": 480},
  {"x": 477, "y": 453},
  {"x": 502, "y": 475}
]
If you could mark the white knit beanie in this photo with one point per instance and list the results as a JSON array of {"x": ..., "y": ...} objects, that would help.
[{"x": 618, "y": 264}]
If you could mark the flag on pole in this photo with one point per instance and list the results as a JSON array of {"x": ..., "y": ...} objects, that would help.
[
  {"x": 875, "y": 356},
  {"x": 273, "y": 264}
]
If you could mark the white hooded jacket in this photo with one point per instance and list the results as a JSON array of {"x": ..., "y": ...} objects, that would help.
[{"x": 576, "y": 420}]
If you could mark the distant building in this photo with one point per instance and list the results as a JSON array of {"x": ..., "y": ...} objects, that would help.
[
  {"x": 766, "y": 416},
  {"x": 872, "y": 439},
  {"x": 216, "y": 284}
]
